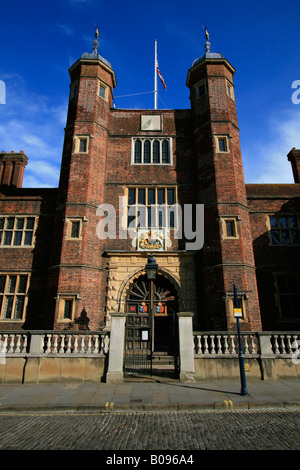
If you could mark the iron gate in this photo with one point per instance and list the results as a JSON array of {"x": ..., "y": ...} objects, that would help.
[{"x": 138, "y": 351}]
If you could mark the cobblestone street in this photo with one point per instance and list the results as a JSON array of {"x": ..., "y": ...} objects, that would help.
[{"x": 165, "y": 430}]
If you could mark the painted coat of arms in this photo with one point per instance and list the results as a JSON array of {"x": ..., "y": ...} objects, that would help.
[{"x": 151, "y": 240}]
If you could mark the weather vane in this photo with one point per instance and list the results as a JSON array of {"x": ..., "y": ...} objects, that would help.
[
  {"x": 207, "y": 44},
  {"x": 95, "y": 43},
  {"x": 206, "y": 32}
]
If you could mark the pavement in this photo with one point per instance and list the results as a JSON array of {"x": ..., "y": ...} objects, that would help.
[{"x": 149, "y": 395}]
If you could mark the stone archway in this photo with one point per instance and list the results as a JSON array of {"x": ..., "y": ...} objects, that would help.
[
  {"x": 159, "y": 300},
  {"x": 124, "y": 268}
]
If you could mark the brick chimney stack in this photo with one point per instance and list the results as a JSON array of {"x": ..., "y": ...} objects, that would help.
[
  {"x": 294, "y": 158},
  {"x": 12, "y": 167}
]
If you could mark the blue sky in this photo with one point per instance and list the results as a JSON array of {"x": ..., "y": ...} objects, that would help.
[{"x": 40, "y": 40}]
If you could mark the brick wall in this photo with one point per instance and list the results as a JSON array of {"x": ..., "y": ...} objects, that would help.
[
  {"x": 32, "y": 260},
  {"x": 264, "y": 201}
]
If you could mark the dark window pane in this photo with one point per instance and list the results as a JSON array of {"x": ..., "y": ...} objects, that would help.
[
  {"x": 22, "y": 284},
  {"x": 273, "y": 221},
  {"x": 142, "y": 196},
  {"x": 156, "y": 155},
  {"x": 82, "y": 145},
  {"x": 7, "y": 238},
  {"x": 160, "y": 196},
  {"x": 229, "y": 228},
  {"x": 1, "y": 224},
  {"x": 283, "y": 221},
  {"x": 285, "y": 236},
  {"x": 10, "y": 223},
  {"x": 131, "y": 197},
  {"x": 293, "y": 221},
  {"x": 19, "y": 305},
  {"x": 151, "y": 196},
  {"x": 201, "y": 90},
  {"x": 161, "y": 219},
  {"x": 171, "y": 196},
  {"x": 20, "y": 224},
  {"x": 28, "y": 238},
  {"x": 30, "y": 223},
  {"x": 18, "y": 238},
  {"x": 130, "y": 220},
  {"x": 11, "y": 284},
  {"x": 149, "y": 218},
  {"x": 2, "y": 283},
  {"x": 222, "y": 145},
  {"x": 68, "y": 309},
  {"x": 147, "y": 151},
  {"x": 75, "y": 229},
  {"x": 138, "y": 151},
  {"x": 171, "y": 219},
  {"x": 141, "y": 214},
  {"x": 296, "y": 236},
  {"x": 8, "y": 306},
  {"x": 275, "y": 237},
  {"x": 165, "y": 152},
  {"x": 75, "y": 91},
  {"x": 102, "y": 91}
]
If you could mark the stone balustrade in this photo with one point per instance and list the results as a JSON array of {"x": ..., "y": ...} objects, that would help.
[
  {"x": 40, "y": 356},
  {"x": 254, "y": 344},
  {"x": 205, "y": 343},
  {"x": 45, "y": 343}
]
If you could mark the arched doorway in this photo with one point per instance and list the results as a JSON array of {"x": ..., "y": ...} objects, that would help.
[{"x": 151, "y": 326}]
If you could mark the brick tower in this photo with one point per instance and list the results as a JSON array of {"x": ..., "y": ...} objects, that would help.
[
  {"x": 77, "y": 274},
  {"x": 227, "y": 255}
]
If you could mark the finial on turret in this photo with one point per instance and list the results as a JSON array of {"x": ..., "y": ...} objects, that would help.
[
  {"x": 95, "y": 42},
  {"x": 207, "y": 44}
]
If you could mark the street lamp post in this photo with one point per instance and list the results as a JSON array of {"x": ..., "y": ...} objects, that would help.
[
  {"x": 244, "y": 390},
  {"x": 237, "y": 314},
  {"x": 151, "y": 271}
]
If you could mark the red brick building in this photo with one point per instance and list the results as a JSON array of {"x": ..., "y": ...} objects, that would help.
[{"x": 135, "y": 182}]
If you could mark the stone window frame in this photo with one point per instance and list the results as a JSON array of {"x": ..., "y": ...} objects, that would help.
[
  {"x": 218, "y": 139},
  {"x": 230, "y": 89},
  {"x": 63, "y": 299},
  {"x": 156, "y": 204},
  {"x": 233, "y": 220},
  {"x": 70, "y": 221},
  {"x": 5, "y": 229},
  {"x": 74, "y": 90},
  {"x": 151, "y": 140},
  {"x": 78, "y": 139},
  {"x": 102, "y": 86},
  {"x": 198, "y": 86},
  {"x": 13, "y": 295}
]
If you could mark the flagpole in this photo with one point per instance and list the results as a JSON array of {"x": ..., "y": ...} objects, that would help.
[{"x": 155, "y": 77}]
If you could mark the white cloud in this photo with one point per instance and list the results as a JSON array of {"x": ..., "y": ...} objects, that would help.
[
  {"x": 33, "y": 123},
  {"x": 265, "y": 161},
  {"x": 65, "y": 29}
]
